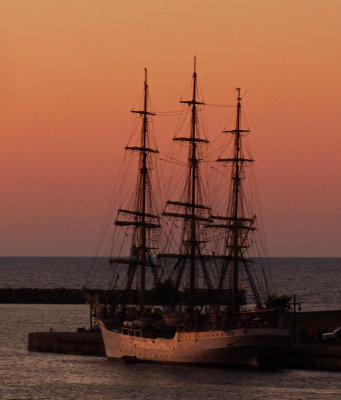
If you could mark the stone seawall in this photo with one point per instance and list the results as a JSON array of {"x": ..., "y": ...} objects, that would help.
[
  {"x": 84, "y": 343},
  {"x": 41, "y": 296}
]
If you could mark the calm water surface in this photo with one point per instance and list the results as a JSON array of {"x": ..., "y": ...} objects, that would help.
[
  {"x": 34, "y": 376},
  {"x": 315, "y": 281}
]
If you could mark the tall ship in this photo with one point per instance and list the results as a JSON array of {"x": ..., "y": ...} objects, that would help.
[{"x": 185, "y": 288}]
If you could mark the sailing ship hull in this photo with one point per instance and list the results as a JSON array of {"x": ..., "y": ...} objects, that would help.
[{"x": 255, "y": 347}]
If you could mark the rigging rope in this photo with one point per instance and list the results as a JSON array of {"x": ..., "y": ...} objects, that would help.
[{"x": 220, "y": 105}]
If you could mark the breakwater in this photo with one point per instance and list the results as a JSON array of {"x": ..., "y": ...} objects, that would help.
[
  {"x": 160, "y": 296},
  {"x": 299, "y": 322},
  {"x": 83, "y": 343},
  {"x": 41, "y": 296}
]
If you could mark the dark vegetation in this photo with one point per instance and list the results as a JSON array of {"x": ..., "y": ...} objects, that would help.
[{"x": 281, "y": 303}]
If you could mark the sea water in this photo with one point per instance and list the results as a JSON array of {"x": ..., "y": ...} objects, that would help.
[
  {"x": 33, "y": 376},
  {"x": 314, "y": 281}
]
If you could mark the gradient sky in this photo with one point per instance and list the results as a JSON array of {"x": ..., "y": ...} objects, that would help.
[{"x": 72, "y": 70}]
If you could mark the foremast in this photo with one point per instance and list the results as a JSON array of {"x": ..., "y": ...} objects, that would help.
[{"x": 143, "y": 218}]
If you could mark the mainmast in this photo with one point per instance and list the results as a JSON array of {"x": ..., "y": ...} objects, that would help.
[
  {"x": 192, "y": 206},
  {"x": 193, "y": 163},
  {"x": 143, "y": 219}
]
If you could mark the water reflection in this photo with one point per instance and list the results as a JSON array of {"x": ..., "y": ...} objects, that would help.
[{"x": 38, "y": 376}]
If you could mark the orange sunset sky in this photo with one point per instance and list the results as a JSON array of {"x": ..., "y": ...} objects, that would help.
[{"x": 70, "y": 72}]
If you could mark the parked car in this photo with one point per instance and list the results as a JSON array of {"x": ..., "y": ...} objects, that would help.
[{"x": 332, "y": 337}]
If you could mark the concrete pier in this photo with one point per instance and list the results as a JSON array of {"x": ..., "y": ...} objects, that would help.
[
  {"x": 299, "y": 356},
  {"x": 84, "y": 343},
  {"x": 314, "y": 356}
]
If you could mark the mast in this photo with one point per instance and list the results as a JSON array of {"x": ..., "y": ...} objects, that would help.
[
  {"x": 191, "y": 213},
  {"x": 236, "y": 224},
  {"x": 144, "y": 172},
  {"x": 143, "y": 220},
  {"x": 239, "y": 226},
  {"x": 236, "y": 189},
  {"x": 193, "y": 167}
]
